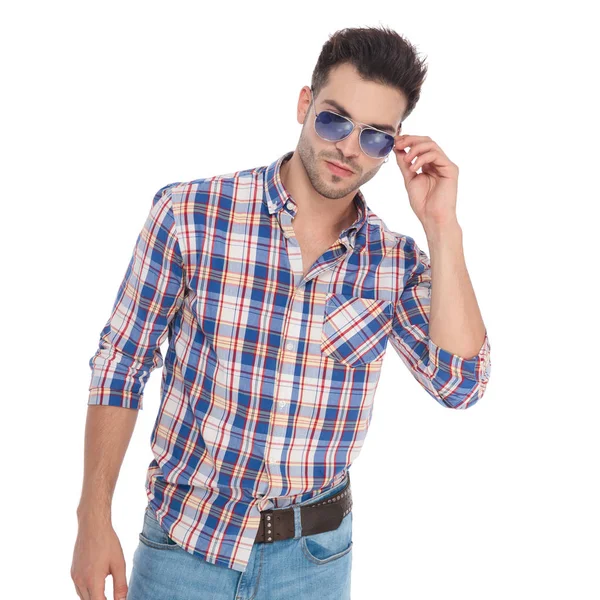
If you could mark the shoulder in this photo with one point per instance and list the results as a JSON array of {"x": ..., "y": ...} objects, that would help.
[
  {"x": 399, "y": 246},
  {"x": 211, "y": 189}
]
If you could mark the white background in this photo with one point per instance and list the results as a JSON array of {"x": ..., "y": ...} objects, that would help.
[{"x": 104, "y": 103}]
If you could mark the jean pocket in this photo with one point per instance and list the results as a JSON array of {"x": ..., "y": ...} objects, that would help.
[
  {"x": 154, "y": 535},
  {"x": 328, "y": 546},
  {"x": 355, "y": 330}
]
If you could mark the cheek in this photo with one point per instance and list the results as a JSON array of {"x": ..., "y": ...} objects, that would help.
[{"x": 310, "y": 139}]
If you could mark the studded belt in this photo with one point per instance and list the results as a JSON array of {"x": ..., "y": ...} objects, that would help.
[{"x": 278, "y": 524}]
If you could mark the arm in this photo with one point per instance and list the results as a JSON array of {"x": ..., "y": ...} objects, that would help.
[
  {"x": 455, "y": 321},
  {"x": 98, "y": 551},
  {"x": 108, "y": 431},
  {"x": 439, "y": 290},
  {"x": 437, "y": 328},
  {"x": 150, "y": 295}
]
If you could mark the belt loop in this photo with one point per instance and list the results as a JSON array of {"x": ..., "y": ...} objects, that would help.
[{"x": 297, "y": 522}]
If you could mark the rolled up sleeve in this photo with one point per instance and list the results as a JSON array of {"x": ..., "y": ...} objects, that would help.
[
  {"x": 148, "y": 298},
  {"x": 454, "y": 381}
]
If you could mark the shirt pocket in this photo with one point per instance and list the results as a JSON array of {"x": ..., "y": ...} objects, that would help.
[{"x": 355, "y": 330}]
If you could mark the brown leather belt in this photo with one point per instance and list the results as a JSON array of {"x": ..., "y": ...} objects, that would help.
[{"x": 326, "y": 515}]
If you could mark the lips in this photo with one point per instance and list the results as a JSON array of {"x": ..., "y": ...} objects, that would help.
[{"x": 340, "y": 166}]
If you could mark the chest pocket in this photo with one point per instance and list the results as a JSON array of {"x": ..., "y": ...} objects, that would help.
[{"x": 355, "y": 330}]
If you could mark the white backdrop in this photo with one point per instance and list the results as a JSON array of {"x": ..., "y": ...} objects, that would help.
[{"x": 103, "y": 103}]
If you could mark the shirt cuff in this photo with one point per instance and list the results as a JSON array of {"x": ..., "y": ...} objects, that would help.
[
  {"x": 477, "y": 368},
  {"x": 107, "y": 397}
]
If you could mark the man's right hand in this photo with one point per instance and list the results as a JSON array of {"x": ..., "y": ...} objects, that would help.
[{"x": 98, "y": 553}]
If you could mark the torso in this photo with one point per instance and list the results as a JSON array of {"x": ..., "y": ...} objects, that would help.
[
  {"x": 312, "y": 246},
  {"x": 313, "y": 243}
]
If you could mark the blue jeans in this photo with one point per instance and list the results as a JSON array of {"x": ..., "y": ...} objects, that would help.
[{"x": 304, "y": 567}]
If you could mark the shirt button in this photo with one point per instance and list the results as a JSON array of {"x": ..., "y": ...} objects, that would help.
[
  {"x": 282, "y": 403},
  {"x": 288, "y": 204},
  {"x": 290, "y": 345}
]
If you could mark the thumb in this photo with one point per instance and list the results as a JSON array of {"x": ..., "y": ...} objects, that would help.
[{"x": 119, "y": 581}]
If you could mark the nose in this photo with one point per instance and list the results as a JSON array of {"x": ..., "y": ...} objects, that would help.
[{"x": 350, "y": 145}]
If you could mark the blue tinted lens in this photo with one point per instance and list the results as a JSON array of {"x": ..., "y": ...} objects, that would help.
[
  {"x": 332, "y": 127},
  {"x": 375, "y": 143}
]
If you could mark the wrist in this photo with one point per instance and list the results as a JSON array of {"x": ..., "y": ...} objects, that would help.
[
  {"x": 93, "y": 512},
  {"x": 449, "y": 228}
]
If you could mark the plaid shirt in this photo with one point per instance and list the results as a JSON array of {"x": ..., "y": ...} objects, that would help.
[{"x": 270, "y": 376}]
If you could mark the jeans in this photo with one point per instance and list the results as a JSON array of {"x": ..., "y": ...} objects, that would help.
[{"x": 304, "y": 567}]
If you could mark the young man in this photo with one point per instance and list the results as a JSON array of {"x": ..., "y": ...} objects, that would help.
[{"x": 279, "y": 290}]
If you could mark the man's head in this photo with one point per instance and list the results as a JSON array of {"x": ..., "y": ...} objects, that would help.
[{"x": 372, "y": 76}]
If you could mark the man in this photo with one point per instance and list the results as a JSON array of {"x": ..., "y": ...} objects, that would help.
[{"x": 279, "y": 290}]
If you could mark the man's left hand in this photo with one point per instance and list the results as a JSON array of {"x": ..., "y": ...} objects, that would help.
[{"x": 432, "y": 193}]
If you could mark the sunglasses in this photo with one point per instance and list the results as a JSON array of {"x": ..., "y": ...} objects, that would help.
[{"x": 333, "y": 127}]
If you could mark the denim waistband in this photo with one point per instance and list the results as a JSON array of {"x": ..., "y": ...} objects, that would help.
[{"x": 327, "y": 493}]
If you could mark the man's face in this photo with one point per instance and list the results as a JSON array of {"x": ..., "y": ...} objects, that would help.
[{"x": 362, "y": 101}]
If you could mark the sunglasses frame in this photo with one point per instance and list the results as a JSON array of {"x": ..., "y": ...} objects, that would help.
[{"x": 361, "y": 126}]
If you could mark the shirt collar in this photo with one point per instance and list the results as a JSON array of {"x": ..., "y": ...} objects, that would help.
[{"x": 275, "y": 196}]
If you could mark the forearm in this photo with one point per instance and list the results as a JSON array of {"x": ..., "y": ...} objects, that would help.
[
  {"x": 108, "y": 431},
  {"x": 455, "y": 322}
]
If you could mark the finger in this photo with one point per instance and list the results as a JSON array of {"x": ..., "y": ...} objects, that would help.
[
  {"x": 80, "y": 593},
  {"x": 419, "y": 149},
  {"x": 84, "y": 593},
  {"x": 97, "y": 593},
  {"x": 406, "y": 173},
  {"x": 412, "y": 138},
  {"x": 119, "y": 576},
  {"x": 427, "y": 158}
]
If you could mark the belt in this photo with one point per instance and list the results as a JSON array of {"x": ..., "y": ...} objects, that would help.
[{"x": 278, "y": 524}]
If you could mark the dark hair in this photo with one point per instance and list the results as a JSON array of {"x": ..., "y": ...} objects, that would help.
[{"x": 378, "y": 54}]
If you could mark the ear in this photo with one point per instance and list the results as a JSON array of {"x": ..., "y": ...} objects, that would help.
[{"x": 304, "y": 103}]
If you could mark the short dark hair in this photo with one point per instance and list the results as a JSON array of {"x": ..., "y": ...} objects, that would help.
[{"x": 378, "y": 54}]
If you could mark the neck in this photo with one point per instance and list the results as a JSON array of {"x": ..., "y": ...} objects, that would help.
[{"x": 313, "y": 208}]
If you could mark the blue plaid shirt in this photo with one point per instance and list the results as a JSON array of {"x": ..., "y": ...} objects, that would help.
[{"x": 269, "y": 377}]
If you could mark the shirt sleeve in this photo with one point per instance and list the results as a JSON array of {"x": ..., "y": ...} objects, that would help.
[
  {"x": 148, "y": 298},
  {"x": 452, "y": 380}
]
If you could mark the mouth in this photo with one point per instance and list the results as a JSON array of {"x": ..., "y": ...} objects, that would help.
[{"x": 338, "y": 169}]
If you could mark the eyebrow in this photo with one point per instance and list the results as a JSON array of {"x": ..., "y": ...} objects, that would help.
[{"x": 345, "y": 113}]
